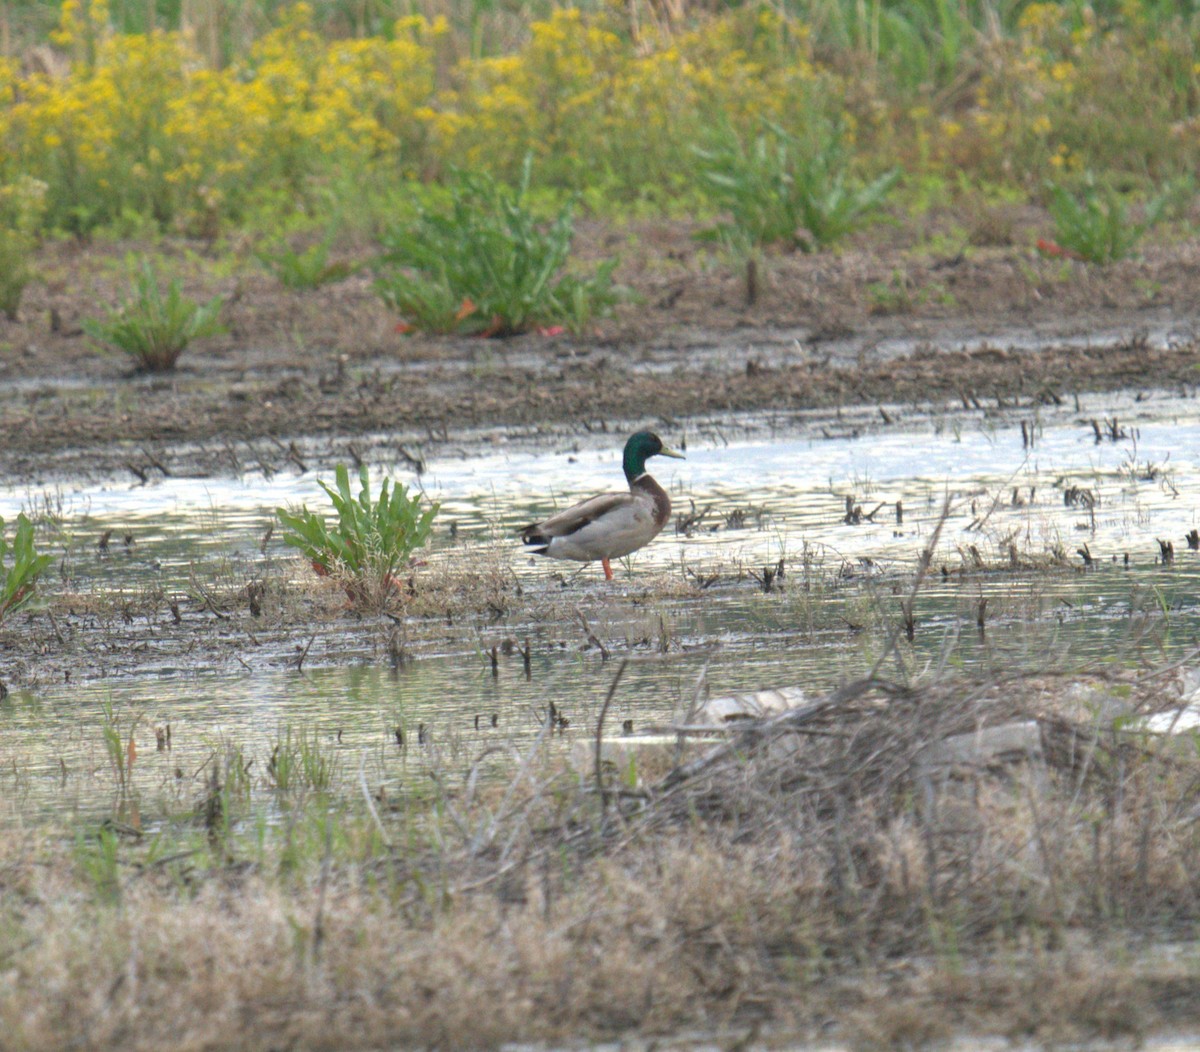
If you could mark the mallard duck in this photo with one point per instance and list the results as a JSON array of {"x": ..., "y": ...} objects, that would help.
[{"x": 612, "y": 524}]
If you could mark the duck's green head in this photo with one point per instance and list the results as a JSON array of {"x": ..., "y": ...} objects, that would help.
[{"x": 640, "y": 448}]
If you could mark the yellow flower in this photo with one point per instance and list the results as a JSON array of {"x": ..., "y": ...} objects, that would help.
[
  {"x": 1041, "y": 17},
  {"x": 1062, "y": 71}
]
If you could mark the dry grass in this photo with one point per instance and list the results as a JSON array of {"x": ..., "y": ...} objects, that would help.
[{"x": 813, "y": 869}]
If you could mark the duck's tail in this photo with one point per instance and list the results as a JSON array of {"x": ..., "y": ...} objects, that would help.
[{"x": 537, "y": 542}]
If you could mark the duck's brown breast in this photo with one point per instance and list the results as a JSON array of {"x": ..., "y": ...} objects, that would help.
[{"x": 648, "y": 486}]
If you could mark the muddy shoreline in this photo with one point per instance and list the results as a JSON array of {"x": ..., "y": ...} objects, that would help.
[
  {"x": 886, "y": 322},
  {"x": 306, "y": 379}
]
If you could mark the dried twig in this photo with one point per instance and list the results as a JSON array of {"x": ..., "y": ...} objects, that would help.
[
  {"x": 600, "y": 736},
  {"x": 591, "y": 636}
]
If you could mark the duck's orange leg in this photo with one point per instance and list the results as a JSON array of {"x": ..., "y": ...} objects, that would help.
[{"x": 607, "y": 569}]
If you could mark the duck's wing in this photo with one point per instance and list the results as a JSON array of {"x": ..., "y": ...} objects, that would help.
[
  {"x": 604, "y": 527},
  {"x": 577, "y": 517}
]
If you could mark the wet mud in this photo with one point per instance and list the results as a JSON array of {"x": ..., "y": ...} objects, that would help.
[{"x": 895, "y": 319}]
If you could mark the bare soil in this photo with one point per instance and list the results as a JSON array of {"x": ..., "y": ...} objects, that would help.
[{"x": 914, "y": 314}]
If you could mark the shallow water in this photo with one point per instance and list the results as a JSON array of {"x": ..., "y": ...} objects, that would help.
[
  {"x": 765, "y": 489},
  {"x": 790, "y": 474}
]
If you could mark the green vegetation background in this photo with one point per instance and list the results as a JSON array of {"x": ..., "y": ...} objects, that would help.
[{"x": 187, "y": 118}]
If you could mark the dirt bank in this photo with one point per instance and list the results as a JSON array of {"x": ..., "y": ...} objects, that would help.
[{"x": 896, "y": 318}]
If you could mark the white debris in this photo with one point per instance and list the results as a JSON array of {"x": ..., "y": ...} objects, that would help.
[{"x": 758, "y": 705}]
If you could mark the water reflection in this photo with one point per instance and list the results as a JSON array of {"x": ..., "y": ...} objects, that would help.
[
  {"x": 1009, "y": 481},
  {"x": 778, "y": 489}
]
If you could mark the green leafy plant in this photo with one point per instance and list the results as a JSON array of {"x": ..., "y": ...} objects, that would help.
[
  {"x": 22, "y": 205},
  {"x": 372, "y": 538},
  {"x": 307, "y": 269},
  {"x": 20, "y": 567},
  {"x": 783, "y": 190},
  {"x": 1095, "y": 224},
  {"x": 486, "y": 264},
  {"x": 153, "y": 327}
]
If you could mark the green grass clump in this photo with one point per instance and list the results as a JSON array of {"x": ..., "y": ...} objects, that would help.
[
  {"x": 15, "y": 272},
  {"x": 373, "y": 536},
  {"x": 20, "y": 567},
  {"x": 308, "y": 268},
  {"x": 22, "y": 206},
  {"x": 486, "y": 264},
  {"x": 298, "y": 762},
  {"x": 1096, "y": 225},
  {"x": 153, "y": 328},
  {"x": 783, "y": 190}
]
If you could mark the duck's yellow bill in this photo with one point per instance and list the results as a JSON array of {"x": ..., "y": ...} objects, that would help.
[{"x": 665, "y": 452}]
